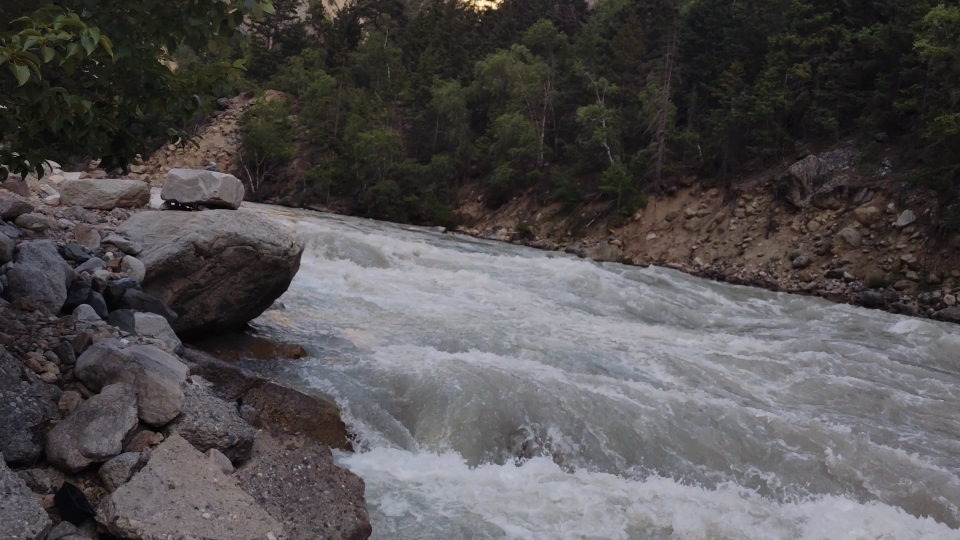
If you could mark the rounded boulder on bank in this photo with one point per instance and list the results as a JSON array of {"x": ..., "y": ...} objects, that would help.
[{"x": 217, "y": 269}]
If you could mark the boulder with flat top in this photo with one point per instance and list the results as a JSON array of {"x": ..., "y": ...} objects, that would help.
[{"x": 192, "y": 188}]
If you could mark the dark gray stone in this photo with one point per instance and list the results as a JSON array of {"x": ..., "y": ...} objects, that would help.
[
  {"x": 64, "y": 351},
  {"x": 27, "y": 404},
  {"x": 124, "y": 319},
  {"x": 21, "y": 516},
  {"x": 76, "y": 253},
  {"x": 77, "y": 294},
  {"x": 115, "y": 290},
  {"x": 99, "y": 305},
  {"x": 13, "y": 206},
  {"x": 40, "y": 274},
  {"x": 117, "y": 471},
  {"x": 63, "y": 530},
  {"x": 141, "y": 301},
  {"x": 95, "y": 431},
  {"x": 7, "y": 247},
  {"x": 210, "y": 422}
]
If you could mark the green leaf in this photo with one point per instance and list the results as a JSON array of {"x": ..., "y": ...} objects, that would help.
[
  {"x": 107, "y": 45},
  {"x": 48, "y": 53},
  {"x": 72, "y": 49},
  {"x": 22, "y": 73},
  {"x": 268, "y": 8},
  {"x": 88, "y": 44}
]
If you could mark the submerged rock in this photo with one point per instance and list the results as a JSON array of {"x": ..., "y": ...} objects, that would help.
[
  {"x": 216, "y": 269},
  {"x": 182, "y": 494}
]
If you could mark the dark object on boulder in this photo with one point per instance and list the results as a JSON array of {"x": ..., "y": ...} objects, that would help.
[
  {"x": 141, "y": 301},
  {"x": 77, "y": 294},
  {"x": 96, "y": 301},
  {"x": 73, "y": 504},
  {"x": 124, "y": 319},
  {"x": 113, "y": 292},
  {"x": 76, "y": 253}
]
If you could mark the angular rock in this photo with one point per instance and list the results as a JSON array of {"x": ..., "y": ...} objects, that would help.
[
  {"x": 13, "y": 206},
  {"x": 69, "y": 401},
  {"x": 7, "y": 247},
  {"x": 156, "y": 375},
  {"x": 35, "y": 222},
  {"x": 63, "y": 529},
  {"x": 95, "y": 431},
  {"x": 604, "y": 253},
  {"x": 105, "y": 193},
  {"x": 190, "y": 187},
  {"x": 115, "y": 290},
  {"x": 143, "y": 440},
  {"x": 155, "y": 326},
  {"x": 300, "y": 486},
  {"x": 133, "y": 268},
  {"x": 77, "y": 294},
  {"x": 124, "y": 319},
  {"x": 16, "y": 184},
  {"x": 217, "y": 269},
  {"x": 210, "y": 422},
  {"x": 181, "y": 494},
  {"x": 126, "y": 246},
  {"x": 116, "y": 471},
  {"x": 850, "y": 236},
  {"x": 221, "y": 461},
  {"x": 867, "y": 215},
  {"x": 26, "y": 406},
  {"x": 138, "y": 300},
  {"x": 91, "y": 266},
  {"x": 907, "y": 217},
  {"x": 76, "y": 253},
  {"x": 85, "y": 313},
  {"x": 99, "y": 305},
  {"x": 87, "y": 236},
  {"x": 39, "y": 273},
  {"x": 64, "y": 351},
  {"x": 21, "y": 516},
  {"x": 950, "y": 314}
]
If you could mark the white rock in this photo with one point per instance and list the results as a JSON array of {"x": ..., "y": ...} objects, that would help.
[
  {"x": 85, "y": 312},
  {"x": 133, "y": 267},
  {"x": 192, "y": 187}
]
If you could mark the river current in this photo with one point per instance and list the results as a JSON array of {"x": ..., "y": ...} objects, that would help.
[{"x": 499, "y": 392}]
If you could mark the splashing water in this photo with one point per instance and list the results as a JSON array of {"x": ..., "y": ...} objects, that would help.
[{"x": 503, "y": 392}]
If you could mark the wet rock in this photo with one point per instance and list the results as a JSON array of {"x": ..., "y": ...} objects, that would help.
[
  {"x": 155, "y": 326},
  {"x": 297, "y": 482},
  {"x": 95, "y": 431},
  {"x": 189, "y": 187},
  {"x": 156, "y": 375},
  {"x": 133, "y": 268},
  {"x": 35, "y": 222},
  {"x": 117, "y": 471},
  {"x": 40, "y": 274},
  {"x": 21, "y": 516},
  {"x": 210, "y": 422},
  {"x": 291, "y": 411},
  {"x": 604, "y": 253},
  {"x": 181, "y": 494},
  {"x": 13, "y": 206},
  {"x": 202, "y": 265},
  {"x": 124, "y": 245},
  {"x": 105, "y": 194},
  {"x": 140, "y": 301},
  {"x": 950, "y": 314},
  {"x": 26, "y": 406},
  {"x": 230, "y": 381}
]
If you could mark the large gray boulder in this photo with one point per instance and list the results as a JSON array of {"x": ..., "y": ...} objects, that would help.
[
  {"x": 13, "y": 206},
  {"x": 210, "y": 422},
  {"x": 41, "y": 274},
  {"x": 217, "y": 269},
  {"x": 104, "y": 193},
  {"x": 182, "y": 494},
  {"x": 21, "y": 515},
  {"x": 157, "y": 376},
  {"x": 95, "y": 431},
  {"x": 151, "y": 325},
  {"x": 27, "y": 404},
  {"x": 191, "y": 187}
]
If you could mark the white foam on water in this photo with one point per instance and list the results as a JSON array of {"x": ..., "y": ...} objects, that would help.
[{"x": 502, "y": 392}]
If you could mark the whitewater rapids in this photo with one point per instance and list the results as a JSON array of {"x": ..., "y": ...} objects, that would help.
[{"x": 500, "y": 392}]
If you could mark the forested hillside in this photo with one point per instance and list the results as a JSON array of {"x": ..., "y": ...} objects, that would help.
[{"x": 394, "y": 105}]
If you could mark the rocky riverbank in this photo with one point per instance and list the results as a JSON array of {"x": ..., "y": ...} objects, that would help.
[
  {"x": 826, "y": 226},
  {"x": 109, "y": 426}
]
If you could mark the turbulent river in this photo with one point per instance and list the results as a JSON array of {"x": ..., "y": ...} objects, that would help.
[{"x": 503, "y": 392}]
